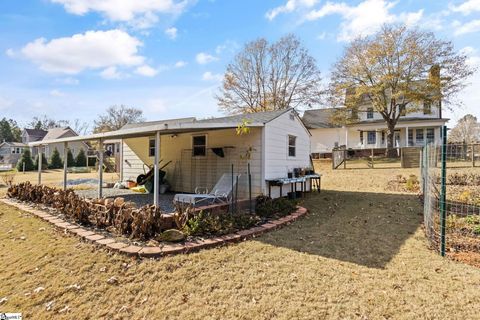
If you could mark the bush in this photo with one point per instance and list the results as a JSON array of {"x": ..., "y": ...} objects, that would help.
[
  {"x": 206, "y": 223},
  {"x": 81, "y": 159},
  {"x": 55, "y": 160},
  {"x": 267, "y": 207},
  {"x": 44, "y": 162},
  {"x": 70, "y": 160},
  {"x": 27, "y": 160},
  {"x": 412, "y": 184}
]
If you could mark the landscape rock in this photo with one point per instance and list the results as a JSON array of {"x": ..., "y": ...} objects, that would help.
[{"x": 171, "y": 235}]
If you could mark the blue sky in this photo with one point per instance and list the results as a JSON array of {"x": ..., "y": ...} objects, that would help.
[{"x": 74, "y": 58}]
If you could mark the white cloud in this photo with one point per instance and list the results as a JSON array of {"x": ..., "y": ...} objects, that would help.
[
  {"x": 90, "y": 50},
  {"x": 467, "y": 7},
  {"x": 140, "y": 13},
  {"x": 146, "y": 71},
  {"x": 111, "y": 73},
  {"x": 468, "y": 27},
  {"x": 204, "y": 58},
  {"x": 209, "y": 76},
  {"x": 68, "y": 81},
  {"x": 57, "y": 93},
  {"x": 180, "y": 64},
  {"x": 10, "y": 53},
  {"x": 229, "y": 46},
  {"x": 289, "y": 6},
  {"x": 171, "y": 33},
  {"x": 363, "y": 19}
]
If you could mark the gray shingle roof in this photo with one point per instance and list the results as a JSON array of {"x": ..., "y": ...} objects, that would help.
[
  {"x": 55, "y": 133},
  {"x": 13, "y": 144},
  {"x": 35, "y": 134},
  {"x": 151, "y": 123},
  {"x": 319, "y": 118}
]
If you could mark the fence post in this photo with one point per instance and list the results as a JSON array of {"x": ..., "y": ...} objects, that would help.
[
  {"x": 443, "y": 193},
  {"x": 345, "y": 159},
  {"x": 473, "y": 155},
  {"x": 372, "y": 159}
]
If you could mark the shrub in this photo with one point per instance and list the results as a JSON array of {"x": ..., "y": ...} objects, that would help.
[
  {"x": 55, "y": 160},
  {"x": 44, "y": 162},
  {"x": 81, "y": 159},
  {"x": 412, "y": 184},
  {"x": 267, "y": 207},
  {"x": 70, "y": 160},
  {"x": 206, "y": 223},
  {"x": 27, "y": 160},
  {"x": 8, "y": 178}
]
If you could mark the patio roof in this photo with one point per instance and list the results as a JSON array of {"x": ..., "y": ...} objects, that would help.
[{"x": 168, "y": 127}]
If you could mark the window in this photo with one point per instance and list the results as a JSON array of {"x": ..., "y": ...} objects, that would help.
[
  {"x": 419, "y": 136},
  {"x": 372, "y": 137},
  {"x": 402, "y": 109},
  {"x": 410, "y": 137},
  {"x": 430, "y": 135},
  {"x": 13, "y": 150},
  {"x": 199, "y": 146},
  {"x": 427, "y": 107},
  {"x": 370, "y": 113},
  {"x": 151, "y": 147},
  {"x": 292, "y": 141}
]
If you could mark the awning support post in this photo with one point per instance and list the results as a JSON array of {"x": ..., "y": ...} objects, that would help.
[
  {"x": 156, "y": 176},
  {"x": 100, "y": 168},
  {"x": 65, "y": 164},
  {"x": 40, "y": 158}
]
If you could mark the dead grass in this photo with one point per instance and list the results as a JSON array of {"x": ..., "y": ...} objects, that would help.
[{"x": 358, "y": 255}]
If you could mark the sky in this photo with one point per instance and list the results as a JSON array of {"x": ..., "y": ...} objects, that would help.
[{"x": 71, "y": 59}]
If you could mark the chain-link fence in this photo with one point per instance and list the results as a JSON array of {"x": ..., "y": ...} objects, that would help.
[{"x": 451, "y": 195}]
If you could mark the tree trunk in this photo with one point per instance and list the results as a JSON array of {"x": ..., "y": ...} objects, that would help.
[{"x": 391, "y": 150}]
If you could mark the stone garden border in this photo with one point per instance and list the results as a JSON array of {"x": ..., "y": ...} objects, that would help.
[{"x": 156, "y": 252}]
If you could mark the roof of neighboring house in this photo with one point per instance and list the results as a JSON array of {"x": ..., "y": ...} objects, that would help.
[
  {"x": 13, "y": 144},
  {"x": 319, "y": 118},
  {"x": 56, "y": 133},
  {"x": 35, "y": 134},
  {"x": 175, "y": 126}
]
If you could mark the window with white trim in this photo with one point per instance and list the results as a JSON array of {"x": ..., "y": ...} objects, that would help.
[
  {"x": 292, "y": 146},
  {"x": 419, "y": 136},
  {"x": 151, "y": 147},
  {"x": 410, "y": 137},
  {"x": 370, "y": 113},
  {"x": 427, "y": 107},
  {"x": 430, "y": 135},
  {"x": 371, "y": 137},
  {"x": 199, "y": 146}
]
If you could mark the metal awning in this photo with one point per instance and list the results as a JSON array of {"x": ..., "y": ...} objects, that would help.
[{"x": 147, "y": 131}]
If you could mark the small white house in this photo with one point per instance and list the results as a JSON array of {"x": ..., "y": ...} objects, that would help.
[
  {"x": 370, "y": 131},
  {"x": 196, "y": 153}
]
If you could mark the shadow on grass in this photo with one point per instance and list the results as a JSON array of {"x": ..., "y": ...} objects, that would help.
[{"x": 359, "y": 227}]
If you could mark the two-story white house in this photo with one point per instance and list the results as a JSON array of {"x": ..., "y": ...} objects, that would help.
[{"x": 414, "y": 128}]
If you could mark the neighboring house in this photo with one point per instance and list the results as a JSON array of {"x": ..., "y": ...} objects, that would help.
[
  {"x": 10, "y": 152},
  {"x": 34, "y": 135},
  {"x": 370, "y": 131}
]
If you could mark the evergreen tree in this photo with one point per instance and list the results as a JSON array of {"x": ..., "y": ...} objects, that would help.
[
  {"x": 27, "y": 160},
  {"x": 70, "y": 160},
  {"x": 81, "y": 160},
  {"x": 44, "y": 162},
  {"x": 55, "y": 160}
]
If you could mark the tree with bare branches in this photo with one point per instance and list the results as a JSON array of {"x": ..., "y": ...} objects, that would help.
[
  {"x": 467, "y": 130},
  {"x": 395, "y": 72},
  {"x": 116, "y": 117},
  {"x": 264, "y": 77}
]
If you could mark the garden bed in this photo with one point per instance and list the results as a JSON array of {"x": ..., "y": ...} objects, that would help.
[{"x": 121, "y": 226}]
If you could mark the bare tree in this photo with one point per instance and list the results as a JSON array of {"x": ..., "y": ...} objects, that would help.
[
  {"x": 395, "y": 71},
  {"x": 265, "y": 77},
  {"x": 116, "y": 117},
  {"x": 45, "y": 123},
  {"x": 80, "y": 127},
  {"x": 467, "y": 130}
]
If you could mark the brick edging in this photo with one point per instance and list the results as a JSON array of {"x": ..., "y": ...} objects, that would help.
[{"x": 155, "y": 252}]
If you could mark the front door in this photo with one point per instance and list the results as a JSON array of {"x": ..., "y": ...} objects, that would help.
[{"x": 397, "y": 139}]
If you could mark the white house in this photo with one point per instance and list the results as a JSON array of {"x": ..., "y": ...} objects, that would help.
[
  {"x": 414, "y": 128},
  {"x": 197, "y": 152}
]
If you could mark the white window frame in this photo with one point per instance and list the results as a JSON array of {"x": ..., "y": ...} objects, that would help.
[
  {"x": 374, "y": 137},
  {"x": 151, "y": 150},
  {"x": 418, "y": 141},
  {"x": 370, "y": 114},
  {"x": 206, "y": 145},
  {"x": 294, "y": 146},
  {"x": 432, "y": 138}
]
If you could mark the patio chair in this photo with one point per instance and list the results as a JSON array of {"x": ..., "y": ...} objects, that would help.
[{"x": 221, "y": 192}]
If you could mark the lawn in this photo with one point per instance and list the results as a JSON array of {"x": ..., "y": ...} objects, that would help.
[{"x": 359, "y": 254}]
